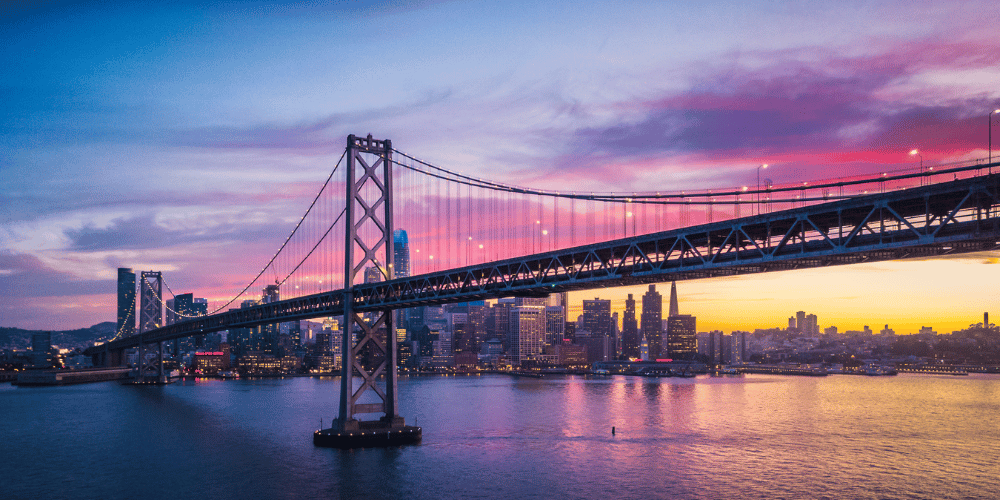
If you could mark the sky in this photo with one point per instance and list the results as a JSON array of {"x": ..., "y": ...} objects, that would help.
[{"x": 188, "y": 136}]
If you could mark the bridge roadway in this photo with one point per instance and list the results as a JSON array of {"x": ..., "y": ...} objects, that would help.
[{"x": 938, "y": 219}]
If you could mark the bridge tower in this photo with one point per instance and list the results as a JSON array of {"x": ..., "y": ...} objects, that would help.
[
  {"x": 368, "y": 341},
  {"x": 150, "y": 317}
]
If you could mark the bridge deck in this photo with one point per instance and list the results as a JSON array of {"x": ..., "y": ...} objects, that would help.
[{"x": 952, "y": 217}]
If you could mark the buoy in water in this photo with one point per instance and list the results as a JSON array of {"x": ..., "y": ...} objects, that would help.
[{"x": 612, "y": 431}]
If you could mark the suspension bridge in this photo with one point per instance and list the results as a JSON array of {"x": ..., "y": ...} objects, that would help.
[{"x": 470, "y": 238}]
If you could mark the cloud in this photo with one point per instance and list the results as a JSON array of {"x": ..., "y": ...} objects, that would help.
[
  {"x": 145, "y": 232},
  {"x": 800, "y": 105},
  {"x": 26, "y": 276}
]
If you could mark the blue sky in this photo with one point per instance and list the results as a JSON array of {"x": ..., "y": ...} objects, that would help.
[{"x": 164, "y": 135}]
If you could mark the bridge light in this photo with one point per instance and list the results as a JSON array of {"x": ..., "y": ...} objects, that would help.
[
  {"x": 480, "y": 245},
  {"x": 744, "y": 189}
]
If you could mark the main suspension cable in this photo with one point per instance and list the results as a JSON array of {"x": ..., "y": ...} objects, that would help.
[{"x": 299, "y": 224}]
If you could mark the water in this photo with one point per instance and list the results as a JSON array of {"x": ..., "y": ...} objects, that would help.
[{"x": 755, "y": 436}]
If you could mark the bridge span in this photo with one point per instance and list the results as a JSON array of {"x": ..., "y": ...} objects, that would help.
[
  {"x": 940, "y": 219},
  {"x": 957, "y": 216}
]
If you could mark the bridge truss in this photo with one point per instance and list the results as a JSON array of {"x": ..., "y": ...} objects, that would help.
[{"x": 940, "y": 219}]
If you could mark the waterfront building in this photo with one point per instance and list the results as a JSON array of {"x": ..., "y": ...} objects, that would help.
[
  {"x": 571, "y": 356},
  {"x": 681, "y": 336},
  {"x": 527, "y": 333},
  {"x": 246, "y": 340},
  {"x": 41, "y": 349},
  {"x": 209, "y": 362},
  {"x": 126, "y": 302},
  {"x": 652, "y": 317},
  {"x": 721, "y": 349},
  {"x": 599, "y": 348},
  {"x": 259, "y": 363},
  {"x": 269, "y": 332}
]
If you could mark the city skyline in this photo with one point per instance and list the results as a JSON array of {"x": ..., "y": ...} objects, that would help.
[{"x": 188, "y": 140}]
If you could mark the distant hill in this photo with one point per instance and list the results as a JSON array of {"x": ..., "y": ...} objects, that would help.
[{"x": 17, "y": 338}]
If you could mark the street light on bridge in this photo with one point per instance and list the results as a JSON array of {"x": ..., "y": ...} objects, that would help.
[
  {"x": 989, "y": 128},
  {"x": 759, "y": 168},
  {"x": 916, "y": 152}
]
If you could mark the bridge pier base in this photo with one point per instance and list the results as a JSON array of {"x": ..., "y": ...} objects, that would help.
[
  {"x": 369, "y": 340},
  {"x": 368, "y": 434}
]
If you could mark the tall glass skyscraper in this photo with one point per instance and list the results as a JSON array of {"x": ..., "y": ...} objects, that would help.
[
  {"x": 126, "y": 302},
  {"x": 401, "y": 269},
  {"x": 400, "y": 254}
]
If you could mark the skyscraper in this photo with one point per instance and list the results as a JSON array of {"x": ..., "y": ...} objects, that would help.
[
  {"x": 126, "y": 302},
  {"x": 652, "y": 318},
  {"x": 630, "y": 330},
  {"x": 527, "y": 332},
  {"x": 41, "y": 347},
  {"x": 400, "y": 254},
  {"x": 674, "y": 310},
  {"x": 682, "y": 341},
  {"x": 401, "y": 269},
  {"x": 596, "y": 318},
  {"x": 555, "y": 324},
  {"x": 246, "y": 340}
]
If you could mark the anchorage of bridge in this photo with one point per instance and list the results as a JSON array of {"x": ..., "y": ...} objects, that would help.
[{"x": 936, "y": 219}]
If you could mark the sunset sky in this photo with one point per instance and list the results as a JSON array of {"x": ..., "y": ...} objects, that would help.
[{"x": 181, "y": 136}]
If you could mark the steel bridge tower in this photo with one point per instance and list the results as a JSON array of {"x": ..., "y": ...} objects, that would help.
[
  {"x": 150, "y": 318},
  {"x": 368, "y": 341}
]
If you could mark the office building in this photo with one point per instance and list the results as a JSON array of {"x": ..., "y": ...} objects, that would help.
[
  {"x": 126, "y": 302},
  {"x": 527, "y": 333},
  {"x": 652, "y": 318},
  {"x": 555, "y": 324},
  {"x": 401, "y": 269},
  {"x": 630, "y": 330},
  {"x": 681, "y": 337},
  {"x": 596, "y": 318},
  {"x": 41, "y": 349}
]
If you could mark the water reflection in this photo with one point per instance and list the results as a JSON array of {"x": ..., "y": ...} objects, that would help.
[{"x": 484, "y": 437}]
